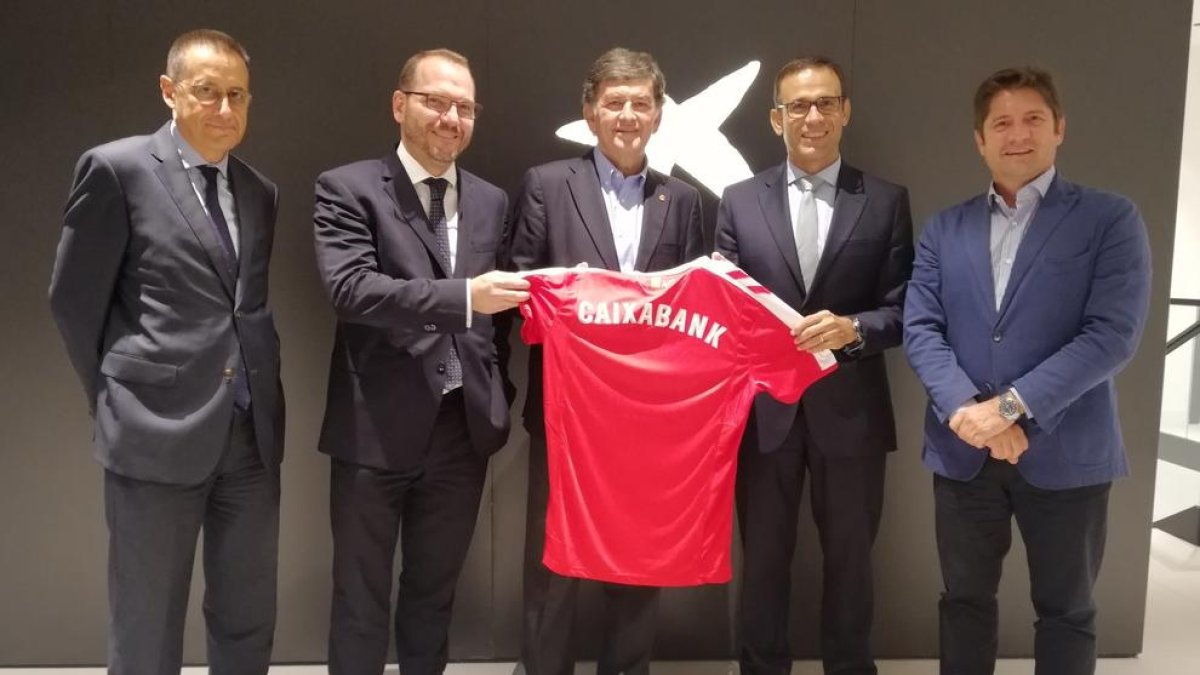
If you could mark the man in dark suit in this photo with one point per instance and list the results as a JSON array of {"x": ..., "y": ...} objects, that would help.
[
  {"x": 1025, "y": 303},
  {"x": 407, "y": 245},
  {"x": 160, "y": 293},
  {"x": 607, "y": 209},
  {"x": 835, "y": 244}
]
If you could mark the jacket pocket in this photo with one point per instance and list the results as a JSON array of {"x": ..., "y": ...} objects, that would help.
[{"x": 136, "y": 369}]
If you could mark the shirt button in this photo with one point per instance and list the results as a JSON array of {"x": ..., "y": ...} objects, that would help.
[{"x": 997, "y": 337}]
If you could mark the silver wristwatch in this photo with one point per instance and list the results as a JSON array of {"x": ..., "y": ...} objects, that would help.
[
  {"x": 1010, "y": 407},
  {"x": 856, "y": 346}
]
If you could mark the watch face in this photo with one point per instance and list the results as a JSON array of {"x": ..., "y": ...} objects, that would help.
[{"x": 1008, "y": 407}]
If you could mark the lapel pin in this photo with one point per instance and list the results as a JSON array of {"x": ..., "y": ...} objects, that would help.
[{"x": 662, "y": 197}]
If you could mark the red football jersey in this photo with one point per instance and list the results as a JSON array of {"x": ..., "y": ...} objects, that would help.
[{"x": 649, "y": 378}]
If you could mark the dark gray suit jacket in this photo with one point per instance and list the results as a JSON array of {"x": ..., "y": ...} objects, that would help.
[
  {"x": 398, "y": 310},
  {"x": 560, "y": 221},
  {"x": 152, "y": 317},
  {"x": 863, "y": 272}
]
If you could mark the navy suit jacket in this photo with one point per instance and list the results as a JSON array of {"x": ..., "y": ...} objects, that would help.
[
  {"x": 1070, "y": 319},
  {"x": 398, "y": 310},
  {"x": 862, "y": 273},
  {"x": 152, "y": 316},
  {"x": 560, "y": 220}
]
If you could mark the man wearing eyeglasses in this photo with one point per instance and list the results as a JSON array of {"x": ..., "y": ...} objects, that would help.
[
  {"x": 607, "y": 209},
  {"x": 836, "y": 244},
  {"x": 160, "y": 292},
  {"x": 407, "y": 247}
]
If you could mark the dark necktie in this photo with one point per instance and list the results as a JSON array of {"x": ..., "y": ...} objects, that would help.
[
  {"x": 437, "y": 218},
  {"x": 212, "y": 201}
]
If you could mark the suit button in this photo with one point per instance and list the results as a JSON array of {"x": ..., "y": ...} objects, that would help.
[
  {"x": 237, "y": 315},
  {"x": 228, "y": 374},
  {"x": 441, "y": 368},
  {"x": 997, "y": 337},
  {"x": 430, "y": 327}
]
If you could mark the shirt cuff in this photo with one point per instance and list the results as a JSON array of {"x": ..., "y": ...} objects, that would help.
[
  {"x": 1017, "y": 395},
  {"x": 468, "y": 289}
]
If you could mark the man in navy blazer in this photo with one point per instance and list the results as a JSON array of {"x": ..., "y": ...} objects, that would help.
[
  {"x": 607, "y": 209},
  {"x": 160, "y": 293},
  {"x": 835, "y": 244},
  {"x": 406, "y": 247},
  {"x": 1025, "y": 303}
]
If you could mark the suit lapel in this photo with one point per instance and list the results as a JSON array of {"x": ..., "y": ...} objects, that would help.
[
  {"x": 848, "y": 206},
  {"x": 772, "y": 197},
  {"x": 175, "y": 179},
  {"x": 247, "y": 200},
  {"x": 468, "y": 225},
  {"x": 398, "y": 185},
  {"x": 1058, "y": 201},
  {"x": 585, "y": 190},
  {"x": 656, "y": 202},
  {"x": 978, "y": 248}
]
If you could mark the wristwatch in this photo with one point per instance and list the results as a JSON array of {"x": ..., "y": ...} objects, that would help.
[
  {"x": 1010, "y": 407},
  {"x": 856, "y": 346}
]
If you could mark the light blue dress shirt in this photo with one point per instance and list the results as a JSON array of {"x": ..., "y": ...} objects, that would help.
[
  {"x": 623, "y": 197},
  {"x": 1009, "y": 225}
]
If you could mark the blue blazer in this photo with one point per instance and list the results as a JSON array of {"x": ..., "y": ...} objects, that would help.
[{"x": 1070, "y": 319}]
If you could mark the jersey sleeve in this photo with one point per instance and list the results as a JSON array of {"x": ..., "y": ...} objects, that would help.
[
  {"x": 547, "y": 293},
  {"x": 775, "y": 365}
]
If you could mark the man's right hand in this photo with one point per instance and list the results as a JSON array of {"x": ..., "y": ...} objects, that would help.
[{"x": 497, "y": 291}]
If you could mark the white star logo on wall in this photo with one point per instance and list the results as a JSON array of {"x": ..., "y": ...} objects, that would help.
[{"x": 690, "y": 133}]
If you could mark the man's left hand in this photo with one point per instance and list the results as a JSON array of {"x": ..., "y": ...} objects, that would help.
[
  {"x": 823, "y": 330},
  {"x": 975, "y": 424}
]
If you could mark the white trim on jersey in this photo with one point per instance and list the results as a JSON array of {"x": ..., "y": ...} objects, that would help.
[{"x": 720, "y": 267}]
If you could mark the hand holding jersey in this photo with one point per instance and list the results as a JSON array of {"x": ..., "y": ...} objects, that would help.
[{"x": 677, "y": 357}]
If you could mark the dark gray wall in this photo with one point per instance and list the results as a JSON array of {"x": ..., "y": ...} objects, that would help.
[{"x": 80, "y": 73}]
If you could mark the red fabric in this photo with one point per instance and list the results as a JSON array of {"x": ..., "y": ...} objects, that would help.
[{"x": 643, "y": 421}]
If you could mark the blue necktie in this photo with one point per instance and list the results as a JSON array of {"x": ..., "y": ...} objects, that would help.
[
  {"x": 437, "y": 218},
  {"x": 212, "y": 201}
]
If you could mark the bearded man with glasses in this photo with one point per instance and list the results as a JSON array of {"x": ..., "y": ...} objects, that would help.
[
  {"x": 836, "y": 244},
  {"x": 160, "y": 293},
  {"x": 407, "y": 247}
]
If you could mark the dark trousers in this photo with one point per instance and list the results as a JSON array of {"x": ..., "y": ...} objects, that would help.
[
  {"x": 432, "y": 510},
  {"x": 847, "y": 502},
  {"x": 629, "y": 611},
  {"x": 153, "y": 528},
  {"x": 1064, "y": 533}
]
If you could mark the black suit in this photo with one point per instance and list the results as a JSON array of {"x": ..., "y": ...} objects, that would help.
[
  {"x": 560, "y": 220},
  {"x": 159, "y": 320},
  {"x": 403, "y": 452},
  {"x": 841, "y": 430}
]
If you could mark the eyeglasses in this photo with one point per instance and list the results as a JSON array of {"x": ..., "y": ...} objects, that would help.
[
  {"x": 640, "y": 106},
  {"x": 210, "y": 94},
  {"x": 468, "y": 110},
  {"x": 826, "y": 105}
]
